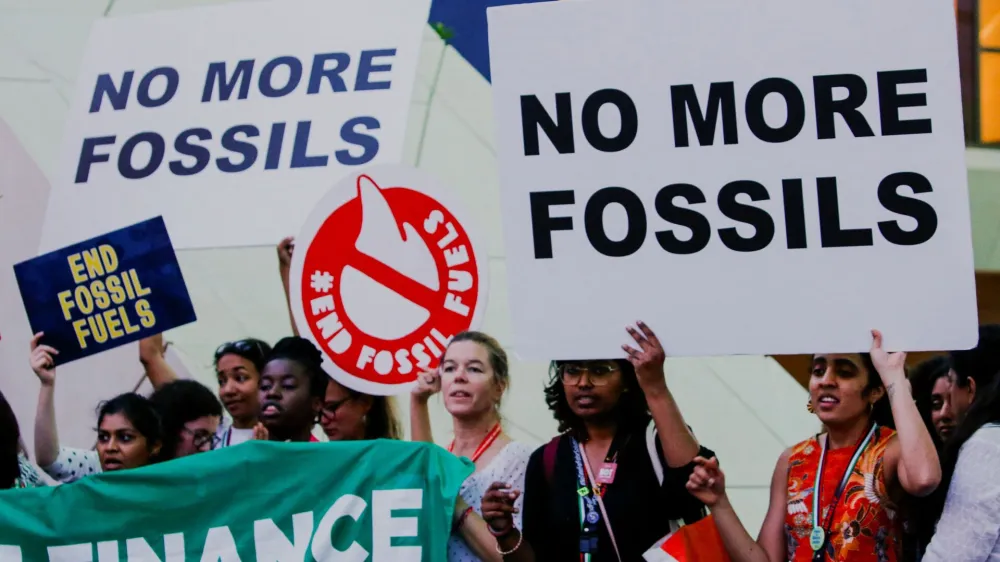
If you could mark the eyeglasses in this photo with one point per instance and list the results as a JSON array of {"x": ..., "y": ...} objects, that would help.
[
  {"x": 240, "y": 347},
  {"x": 598, "y": 374},
  {"x": 201, "y": 438},
  {"x": 330, "y": 408}
]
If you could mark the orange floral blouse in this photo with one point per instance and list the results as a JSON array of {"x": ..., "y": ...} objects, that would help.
[{"x": 865, "y": 527}]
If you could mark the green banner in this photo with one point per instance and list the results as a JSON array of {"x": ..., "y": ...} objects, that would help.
[{"x": 378, "y": 501}]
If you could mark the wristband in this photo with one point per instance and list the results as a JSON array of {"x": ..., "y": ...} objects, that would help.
[{"x": 498, "y": 534}]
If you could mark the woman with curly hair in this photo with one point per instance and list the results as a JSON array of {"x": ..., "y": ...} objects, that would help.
[{"x": 613, "y": 483}]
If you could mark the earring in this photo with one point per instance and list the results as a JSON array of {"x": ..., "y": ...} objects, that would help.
[{"x": 809, "y": 406}]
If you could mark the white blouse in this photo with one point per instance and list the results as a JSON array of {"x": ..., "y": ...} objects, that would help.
[
  {"x": 969, "y": 528},
  {"x": 509, "y": 466}
]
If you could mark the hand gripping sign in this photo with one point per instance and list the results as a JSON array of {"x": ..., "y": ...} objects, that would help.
[{"x": 384, "y": 274}]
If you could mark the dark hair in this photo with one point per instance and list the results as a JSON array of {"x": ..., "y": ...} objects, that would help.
[
  {"x": 985, "y": 409},
  {"x": 181, "y": 402},
  {"x": 923, "y": 377},
  {"x": 140, "y": 413},
  {"x": 980, "y": 363},
  {"x": 881, "y": 412},
  {"x": 10, "y": 445},
  {"x": 631, "y": 412},
  {"x": 303, "y": 352},
  {"x": 253, "y": 350}
]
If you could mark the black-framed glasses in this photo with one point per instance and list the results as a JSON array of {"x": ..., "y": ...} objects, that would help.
[
  {"x": 599, "y": 374},
  {"x": 330, "y": 408},
  {"x": 200, "y": 438},
  {"x": 241, "y": 347}
]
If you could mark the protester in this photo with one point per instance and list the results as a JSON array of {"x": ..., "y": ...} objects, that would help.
[
  {"x": 968, "y": 523},
  {"x": 972, "y": 369},
  {"x": 292, "y": 388},
  {"x": 237, "y": 368},
  {"x": 931, "y": 382},
  {"x": 129, "y": 433},
  {"x": 184, "y": 410},
  {"x": 347, "y": 413},
  {"x": 608, "y": 409},
  {"x": 853, "y": 517},
  {"x": 473, "y": 376},
  {"x": 16, "y": 471},
  {"x": 190, "y": 416}
]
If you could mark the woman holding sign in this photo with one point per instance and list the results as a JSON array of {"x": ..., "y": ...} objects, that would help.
[
  {"x": 612, "y": 485},
  {"x": 832, "y": 496}
]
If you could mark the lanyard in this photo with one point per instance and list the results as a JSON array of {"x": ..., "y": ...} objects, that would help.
[
  {"x": 818, "y": 536},
  {"x": 587, "y": 503},
  {"x": 229, "y": 435},
  {"x": 485, "y": 444}
]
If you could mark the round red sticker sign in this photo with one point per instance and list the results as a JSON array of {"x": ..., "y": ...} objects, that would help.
[{"x": 384, "y": 274}]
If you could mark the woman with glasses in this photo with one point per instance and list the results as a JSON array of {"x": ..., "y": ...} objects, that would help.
[
  {"x": 613, "y": 484},
  {"x": 472, "y": 378},
  {"x": 238, "y": 365}
]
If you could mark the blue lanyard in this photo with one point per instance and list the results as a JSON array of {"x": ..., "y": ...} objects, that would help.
[{"x": 587, "y": 503}]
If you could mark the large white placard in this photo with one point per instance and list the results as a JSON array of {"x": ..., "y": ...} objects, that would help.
[
  {"x": 232, "y": 121},
  {"x": 747, "y": 178}
]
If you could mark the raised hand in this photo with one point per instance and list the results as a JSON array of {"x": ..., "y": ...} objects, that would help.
[
  {"x": 428, "y": 384},
  {"x": 41, "y": 360},
  {"x": 498, "y": 507},
  {"x": 285, "y": 249},
  {"x": 648, "y": 359},
  {"x": 260, "y": 433},
  {"x": 707, "y": 483},
  {"x": 891, "y": 367}
]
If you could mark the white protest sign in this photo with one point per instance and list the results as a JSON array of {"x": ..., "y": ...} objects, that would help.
[
  {"x": 231, "y": 121},
  {"x": 746, "y": 178},
  {"x": 385, "y": 272}
]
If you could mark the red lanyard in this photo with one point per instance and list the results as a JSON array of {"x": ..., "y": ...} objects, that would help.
[{"x": 487, "y": 441}]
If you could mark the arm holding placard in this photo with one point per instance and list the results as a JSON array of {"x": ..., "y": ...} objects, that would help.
[
  {"x": 46, "y": 432},
  {"x": 428, "y": 384},
  {"x": 708, "y": 484},
  {"x": 152, "y": 355},
  {"x": 911, "y": 457},
  {"x": 679, "y": 444},
  {"x": 285, "y": 249}
]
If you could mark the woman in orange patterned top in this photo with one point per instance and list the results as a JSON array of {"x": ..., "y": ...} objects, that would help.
[{"x": 858, "y": 465}]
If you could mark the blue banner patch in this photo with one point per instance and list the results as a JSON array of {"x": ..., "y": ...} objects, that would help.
[{"x": 105, "y": 292}]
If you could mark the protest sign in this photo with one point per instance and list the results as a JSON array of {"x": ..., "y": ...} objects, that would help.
[
  {"x": 382, "y": 501},
  {"x": 105, "y": 292},
  {"x": 236, "y": 131},
  {"x": 785, "y": 190},
  {"x": 385, "y": 272}
]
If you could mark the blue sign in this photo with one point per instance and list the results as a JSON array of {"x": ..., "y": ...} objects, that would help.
[{"x": 105, "y": 292}]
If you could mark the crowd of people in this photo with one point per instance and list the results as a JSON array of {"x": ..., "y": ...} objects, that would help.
[{"x": 903, "y": 468}]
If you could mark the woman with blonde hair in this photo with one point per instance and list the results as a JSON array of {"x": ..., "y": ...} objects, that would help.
[{"x": 472, "y": 378}]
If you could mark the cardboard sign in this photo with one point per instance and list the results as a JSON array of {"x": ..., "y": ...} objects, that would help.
[
  {"x": 105, "y": 292},
  {"x": 235, "y": 132},
  {"x": 783, "y": 191},
  {"x": 385, "y": 272}
]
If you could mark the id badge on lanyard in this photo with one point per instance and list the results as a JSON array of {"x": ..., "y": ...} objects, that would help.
[
  {"x": 819, "y": 535},
  {"x": 587, "y": 504}
]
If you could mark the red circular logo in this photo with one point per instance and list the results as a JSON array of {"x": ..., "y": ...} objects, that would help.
[{"x": 387, "y": 279}]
